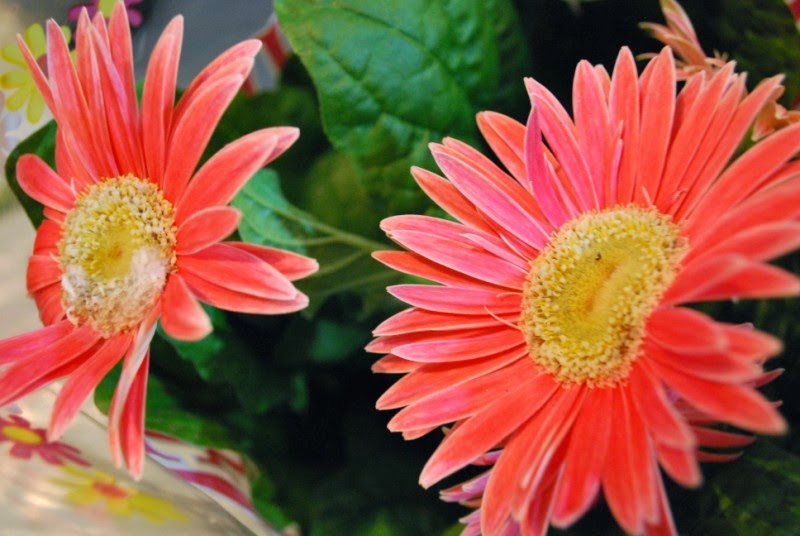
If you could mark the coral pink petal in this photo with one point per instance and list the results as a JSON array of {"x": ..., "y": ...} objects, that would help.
[
  {"x": 189, "y": 136},
  {"x": 447, "y": 196},
  {"x": 663, "y": 422},
  {"x": 658, "y": 108},
  {"x": 593, "y": 126},
  {"x": 747, "y": 174},
  {"x": 414, "y": 264},
  {"x": 43, "y": 184},
  {"x": 460, "y": 349},
  {"x": 776, "y": 204},
  {"x": 237, "y": 270},
  {"x": 734, "y": 404},
  {"x": 580, "y": 481},
  {"x": 132, "y": 422},
  {"x": 716, "y": 366},
  {"x": 182, "y": 317},
  {"x": 391, "y": 364},
  {"x": 554, "y": 421},
  {"x": 665, "y": 526},
  {"x": 745, "y": 342},
  {"x": 752, "y": 280},
  {"x": 35, "y": 70},
  {"x": 437, "y": 377},
  {"x": 205, "y": 227},
  {"x": 47, "y": 237},
  {"x": 506, "y": 137},
  {"x": 560, "y": 133},
  {"x": 680, "y": 464},
  {"x": 293, "y": 266},
  {"x": 709, "y": 437},
  {"x": 224, "y": 297},
  {"x": 464, "y": 258},
  {"x": 702, "y": 274},
  {"x": 760, "y": 242},
  {"x": 158, "y": 97},
  {"x": 542, "y": 178},
  {"x": 38, "y": 367},
  {"x": 236, "y": 60},
  {"x": 624, "y": 110},
  {"x": 457, "y": 300},
  {"x": 502, "y": 205},
  {"x": 48, "y": 301},
  {"x": 459, "y": 401},
  {"x": 43, "y": 270},
  {"x": 486, "y": 429},
  {"x": 685, "y": 331},
  {"x": 119, "y": 37},
  {"x": 223, "y": 175},
  {"x": 135, "y": 359},
  {"x": 629, "y": 475},
  {"x": 417, "y": 320},
  {"x": 35, "y": 342},
  {"x": 83, "y": 380}
]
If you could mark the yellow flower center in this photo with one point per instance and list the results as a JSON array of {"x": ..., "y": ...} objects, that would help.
[
  {"x": 22, "y": 435},
  {"x": 589, "y": 293},
  {"x": 117, "y": 247}
]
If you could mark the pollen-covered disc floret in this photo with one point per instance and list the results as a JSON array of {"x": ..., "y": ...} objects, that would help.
[
  {"x": 589, "y": 293},
  {"x": 117, "y": 247}
]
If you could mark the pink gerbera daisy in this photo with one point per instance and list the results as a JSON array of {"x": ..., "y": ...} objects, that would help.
[
  {"x": 132, "y": 232},
  {"x": 556, "y": 331}
]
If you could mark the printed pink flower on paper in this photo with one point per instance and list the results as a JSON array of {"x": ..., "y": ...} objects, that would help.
[{"x": 28, "y": 441}]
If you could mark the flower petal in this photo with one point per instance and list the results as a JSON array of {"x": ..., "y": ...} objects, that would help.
[
  {"x": 82, "y": 382},
  {"x": 206, "y": 227},
  {"x": 43, "y": 184},
  {"x": 182, "y": 317}
]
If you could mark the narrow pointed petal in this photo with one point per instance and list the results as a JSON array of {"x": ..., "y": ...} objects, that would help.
[
  {"x": 236, "y": 162},
  {"x": 34, "y": 342},
  {"x": 237, "y": 270},
  {"x": 158, "y": 98},
  {"x": 230, "y": 299},
  {"x": 293, "y": 266},
  {"x": 206, "y": 227},
  {"x": 182, "y": 316},
  {"x": 189, "y": 137},
  {"x": 580, "y": 481},
  {"x": 735, "y": 404},
  {"x": 685, "y": 331},
  {"x": 82, "y": 382},
  {"x": 132, "y": 422},
  {"x": 506, "y": 137},
  {"x": 483, "y": 431},
  {"x": 43, "y": 184}
]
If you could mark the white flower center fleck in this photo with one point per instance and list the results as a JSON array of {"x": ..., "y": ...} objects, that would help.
[
  {"x": 589, "y": 293},
  {"x": 117, "y": 247}
]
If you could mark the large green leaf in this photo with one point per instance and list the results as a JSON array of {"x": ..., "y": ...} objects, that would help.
[
  {"x": 395, "y": 75},
  {"x": 344, "y": 258}
]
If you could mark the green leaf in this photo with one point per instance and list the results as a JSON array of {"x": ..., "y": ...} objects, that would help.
[
  {"x": 344, "y": 258},
  {"x": 224, "y": 358},
  {"x": 395, "y": 75},
  {"x": 758, "y": 494},
  {"x": 42, "y": 143}
]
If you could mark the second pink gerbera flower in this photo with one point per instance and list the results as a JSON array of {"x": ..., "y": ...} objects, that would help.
[
  {"x": 132, "y": 231},
  {"x": 555, "y": 342}
]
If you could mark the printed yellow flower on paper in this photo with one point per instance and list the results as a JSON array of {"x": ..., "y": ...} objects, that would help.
[
  {"x": 20, "y": 79},
  {"x": 94, "y": 488},
  {"x": 556, "y": 345},
  {"x": 134, "y": 226}
]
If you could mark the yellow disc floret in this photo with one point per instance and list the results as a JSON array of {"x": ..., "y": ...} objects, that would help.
[
  {"x": 589, "y": 293},
  {"x": 117, "y": 247}
]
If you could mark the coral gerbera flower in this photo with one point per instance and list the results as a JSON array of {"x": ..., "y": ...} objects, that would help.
[
  {"x": 556, "y": 332},
  {"x": 132, "y": 232}
]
